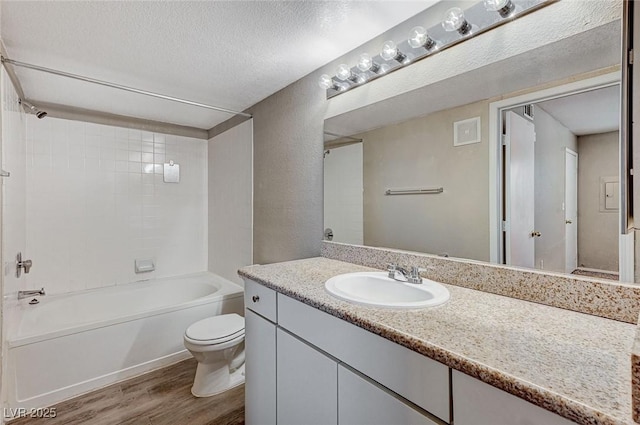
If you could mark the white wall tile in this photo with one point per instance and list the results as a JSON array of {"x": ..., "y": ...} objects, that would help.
[{"x": 93, "y": 205}]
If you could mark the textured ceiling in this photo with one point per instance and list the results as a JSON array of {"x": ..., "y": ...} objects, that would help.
[
  {"x": 592, "y": 112},
  {"x": 226, "y": 53}
]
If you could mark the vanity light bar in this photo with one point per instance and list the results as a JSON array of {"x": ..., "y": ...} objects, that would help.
[{"x": 457, "y": 26}]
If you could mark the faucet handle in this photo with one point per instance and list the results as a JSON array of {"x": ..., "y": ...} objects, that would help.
[{"x": 26, "y": 264}]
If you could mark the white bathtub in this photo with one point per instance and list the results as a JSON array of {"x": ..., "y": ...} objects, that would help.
[{"x": 71, "y": 344}]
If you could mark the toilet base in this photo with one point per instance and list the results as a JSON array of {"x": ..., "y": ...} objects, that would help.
[{"x": 212, "y": 379}]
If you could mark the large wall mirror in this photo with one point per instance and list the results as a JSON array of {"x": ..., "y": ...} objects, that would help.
[{"x": 515, "y": 163}]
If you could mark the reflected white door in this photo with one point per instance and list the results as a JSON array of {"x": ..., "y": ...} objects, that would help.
[
  {"x": 571, "y": 210},
  {"x": 343, "y": 197},
  {"x": 520, "y": 197}
]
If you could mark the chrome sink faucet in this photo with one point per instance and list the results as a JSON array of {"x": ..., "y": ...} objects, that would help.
[{"x": 412, "y": 276}]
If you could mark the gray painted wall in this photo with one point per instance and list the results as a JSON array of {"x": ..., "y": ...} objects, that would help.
[
  {"x": 288, "y": 173},
  {"x": 551, "y": 140},
  {"x": 419, "y": 153},
  {"x": 597, "y": 231}
]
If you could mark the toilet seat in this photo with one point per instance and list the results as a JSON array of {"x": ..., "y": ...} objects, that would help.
[{"x": 216, "y": 330}]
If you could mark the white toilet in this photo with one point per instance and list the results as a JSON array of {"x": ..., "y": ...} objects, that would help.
[{"x": 217, "y": 343}]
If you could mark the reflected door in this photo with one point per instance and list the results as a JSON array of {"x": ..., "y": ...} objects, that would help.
[
  {"x": 343, "y": 198},
  {"x": 520, "y": 230},
  {"x": 571, "y": 210}
]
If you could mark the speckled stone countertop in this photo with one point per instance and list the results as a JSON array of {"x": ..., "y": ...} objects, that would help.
[{"x": 574, "y": 364}]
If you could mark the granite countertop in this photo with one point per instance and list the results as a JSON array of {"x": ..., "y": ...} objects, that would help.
[{"x": 574, "y": 364}]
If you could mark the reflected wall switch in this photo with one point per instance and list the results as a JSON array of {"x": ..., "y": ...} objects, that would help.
[{"x": 143, "y": 266}]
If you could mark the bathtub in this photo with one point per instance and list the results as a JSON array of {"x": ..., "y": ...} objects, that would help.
[{"x": 70, "y": 344}]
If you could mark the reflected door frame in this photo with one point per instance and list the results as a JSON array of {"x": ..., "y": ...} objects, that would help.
[
  {"x": 571, "y": 209},
  {"x": 497, "y": 223}
]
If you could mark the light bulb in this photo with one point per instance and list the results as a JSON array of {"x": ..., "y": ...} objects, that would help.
[
  {"x": 454, "y": 20},
  {"x": 503, "y": 7},
  {"x": 344, "y": 72},
  {"x": 326, "y": 82},
  {"x": 366, "y": 63},
  {"x": 418, "y": 37},
  {"x": 390, "y": 51}
]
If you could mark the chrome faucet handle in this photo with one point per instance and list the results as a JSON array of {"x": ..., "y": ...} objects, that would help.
[
  {"x": 414, "y": 276},
  {"x": 391, "y": 268},
  {"x": 415, "y": 271},
  {"x": 26, "y": 265}
]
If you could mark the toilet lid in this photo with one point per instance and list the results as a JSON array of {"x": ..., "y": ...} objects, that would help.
[{"x": 216, "y": 329}]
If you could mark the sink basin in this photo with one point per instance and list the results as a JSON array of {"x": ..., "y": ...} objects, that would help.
[{"x": 377, "y": 289}]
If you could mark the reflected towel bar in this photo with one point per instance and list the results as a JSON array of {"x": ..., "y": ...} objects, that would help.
[{"x": 413, "y": 191}]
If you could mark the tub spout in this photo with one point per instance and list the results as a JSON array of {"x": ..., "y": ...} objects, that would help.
[{"x": 32, "y": 293}]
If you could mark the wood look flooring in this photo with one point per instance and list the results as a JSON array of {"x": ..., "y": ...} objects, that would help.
[{"x": 161, "y": 397}]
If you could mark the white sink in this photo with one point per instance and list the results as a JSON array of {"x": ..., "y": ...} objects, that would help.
[{"x": 377, "y": 289}]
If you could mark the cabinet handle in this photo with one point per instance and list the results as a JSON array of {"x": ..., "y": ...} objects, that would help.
[{"x": 255, "y": 298}]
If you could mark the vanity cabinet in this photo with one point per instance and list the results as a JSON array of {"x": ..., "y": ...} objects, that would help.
[
  {"x": 308, "y": 367},
  {"x": 416, "y": 378}
]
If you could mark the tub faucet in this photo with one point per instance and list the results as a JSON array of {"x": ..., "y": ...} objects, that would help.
[
  {"x": 31, "y": 293},
  {"x": 412, "y": 276}
]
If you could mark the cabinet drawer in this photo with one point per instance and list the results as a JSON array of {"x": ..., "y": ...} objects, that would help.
[
  {"x": 260, "y": 299},
  {"x": 419, "y": 379}
]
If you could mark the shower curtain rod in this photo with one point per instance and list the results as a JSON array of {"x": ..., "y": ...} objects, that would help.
[{"x": 119, "y": 86}]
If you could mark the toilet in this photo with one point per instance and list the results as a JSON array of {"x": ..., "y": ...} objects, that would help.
[{"x": 217, "y": 343}]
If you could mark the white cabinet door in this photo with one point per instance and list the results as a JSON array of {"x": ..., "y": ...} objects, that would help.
[
  {"x": 307, "y": 384},
  {"x": 364, "y": 403},
  {"x": 477, "y": 403},
  {"x": 260, "y": 369}
]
